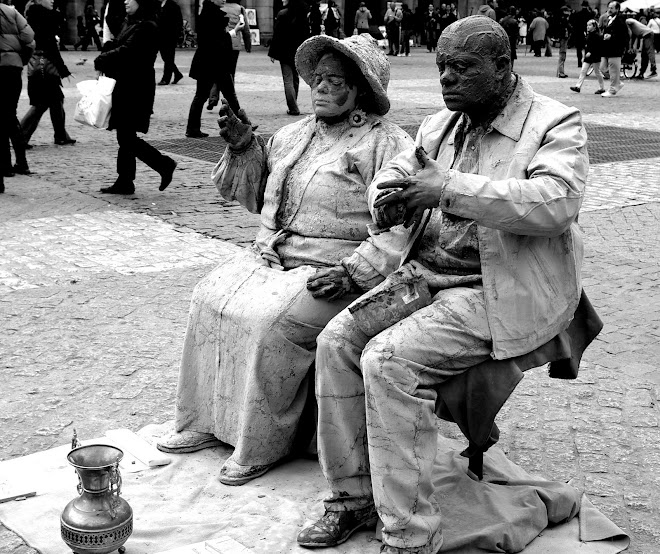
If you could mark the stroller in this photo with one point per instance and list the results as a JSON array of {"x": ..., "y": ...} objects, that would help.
[{"x": 188, "y": 38}]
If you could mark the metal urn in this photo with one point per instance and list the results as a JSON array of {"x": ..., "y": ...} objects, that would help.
[{"x": 99, "y": 521}]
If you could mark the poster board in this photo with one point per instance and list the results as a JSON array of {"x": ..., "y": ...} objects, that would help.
[
  {"x": 251, "y": 17},
  {"x": 255, "y": 38}
]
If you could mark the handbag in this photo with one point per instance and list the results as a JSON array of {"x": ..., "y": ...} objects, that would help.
[
  {"x": 40, "y": 66},
  {"x": 94, "y": 107}
]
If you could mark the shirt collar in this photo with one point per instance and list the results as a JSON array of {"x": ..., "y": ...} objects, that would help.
[{"x": 511, "y": 119}]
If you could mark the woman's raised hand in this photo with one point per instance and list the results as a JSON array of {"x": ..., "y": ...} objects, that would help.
[{"x": 237, "y": 131}]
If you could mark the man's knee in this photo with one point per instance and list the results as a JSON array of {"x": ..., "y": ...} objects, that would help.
[{"x": 337, "y": 332}]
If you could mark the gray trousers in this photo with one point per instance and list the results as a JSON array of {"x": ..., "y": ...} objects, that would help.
[{"x": 377, "y": 429}]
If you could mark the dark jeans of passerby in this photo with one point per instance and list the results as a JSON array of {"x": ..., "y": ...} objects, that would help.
[
  {"x": 10, "y": 91},
  {"x": 204, "y": 86},
  {"x": 90, "y": 36},
  {"x": 406, "y": 35},
  {"x": 232, "y": 62},
  {"x": 393, "y": 38},
  {"x": 430, "y": 40},
  {"x": 131, "y": 147},
  {"x": 579, "y": 47},
  {"x": 538, "y": 46},
  {"x": 167, "y": 52},
  {"x": 31, "y": 119},
  {"x": 291, "y": 85},
  {"x": 648, "y": 54}
]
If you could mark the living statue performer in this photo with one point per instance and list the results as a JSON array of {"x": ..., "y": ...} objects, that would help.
[
  {"x": 491, "y": 194},
  {"x": 254, "y": 320}
]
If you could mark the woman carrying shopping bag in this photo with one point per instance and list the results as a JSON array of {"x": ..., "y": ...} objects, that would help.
[{"x": 129, "y": 59}]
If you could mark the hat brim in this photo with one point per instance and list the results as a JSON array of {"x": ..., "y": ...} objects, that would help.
[{"x": 310, "y": 52}]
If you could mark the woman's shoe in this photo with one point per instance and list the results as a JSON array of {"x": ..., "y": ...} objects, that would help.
[
  {"x": 120, "y": 187},
  {"x": 65, "y": 142},
  {"x": 22, "y": 169},
  {"x": 166, "y": 176},
  {"x": 234, "y": 474},
  {"x": 187, "y": 441},
  {"x": 336, "y": 527}
]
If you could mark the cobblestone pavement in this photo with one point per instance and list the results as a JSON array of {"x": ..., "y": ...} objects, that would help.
[{"x": 94, "y": 290}]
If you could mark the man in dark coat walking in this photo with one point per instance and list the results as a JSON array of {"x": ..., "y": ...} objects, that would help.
[
  {"x": 129, "y": 59},
  {"x": 615, "y": 41},
  {"x": 170, "y": 25},
  {"x": 211, "y": 63}
]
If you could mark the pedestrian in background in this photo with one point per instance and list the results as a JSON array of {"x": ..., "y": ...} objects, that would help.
[
  {"x": 539, "y": 29},
  {"x": 654, "y": 25},
  {"x": 615, "y": 41},
  {"x": 510, "y": 24},
  {"x": 212, "y": 63},
  {"x": 562, "y": 34},
  {"x": 16, "y": 47},
  {"x": 579, "y": 21},
  {"x": 170, "y": 25},
  {"x": 236, "y": 14},
  {"x": 290, "y": 31},
  {"x": 407, "y": 27},
  {"x": 592, "y": 56},
  {"x": 362, "y": 18},
  {"x": 315, "y": 18},
  {"x": 130, "y": 59},
  {"x": 522, "y": 30},
  {"x": 45, "y": 72},
  {"x": 392, "y": 20},
  {"x": 418, "y": 26},
  {"x": 430, "y": 22},
  {"x": 91, "y": 21},
  {"x": 642, "y": 36},
  {"x": 488, "y": 9},
  {"x": 332, "y": 20}
]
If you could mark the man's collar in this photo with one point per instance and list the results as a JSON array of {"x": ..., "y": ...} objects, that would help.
[{"x": 511, "y": 119}]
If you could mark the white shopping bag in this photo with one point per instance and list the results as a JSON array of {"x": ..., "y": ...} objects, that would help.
[{"x": 94, "y": 107}]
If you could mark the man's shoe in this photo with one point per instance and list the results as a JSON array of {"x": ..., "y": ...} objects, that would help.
[
  {"x": 211, "y": 104},
  {"x": 575, "y": 89},
  {"x": 65, "y": 142},
  {"x": 187, "y": 441},
  {"x": 290, "y": 112},
  {"x": 166, "y": 176},
  {"x": 600, "y": 91},
  {"x": 120, "y": 187},
  {"x": 177, "y": 78},
  {"x": 196, "y": 134},
  {"x": 22, "y": 169},
  {"x": 608, "y": 94},
  {"x": 336, "y": 527},
  {"x": 652, "y": 75},
  {"x": 163, "y": 82},
  {"x": 562, "y": 75},
  {"x": 234, "y": 474}
]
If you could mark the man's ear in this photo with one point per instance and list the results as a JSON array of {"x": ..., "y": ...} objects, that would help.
[{"x": 502, "y": 63}]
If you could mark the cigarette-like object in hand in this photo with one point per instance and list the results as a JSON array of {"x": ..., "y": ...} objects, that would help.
[{"x": 419, "y": 151}]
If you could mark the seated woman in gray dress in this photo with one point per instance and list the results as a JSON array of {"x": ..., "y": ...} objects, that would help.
[{"x": 254, "y": 320}]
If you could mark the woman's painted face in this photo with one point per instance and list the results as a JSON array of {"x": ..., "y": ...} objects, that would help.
[
  {"x": 131, "y": 6},
  {"x": 332, "y": 96}
]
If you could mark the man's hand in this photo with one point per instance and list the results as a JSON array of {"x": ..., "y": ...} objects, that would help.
[
  {"x": 330, "y": 282},
  {"x": 417, "y": 192},
  {"x": 237, "y": 132}
]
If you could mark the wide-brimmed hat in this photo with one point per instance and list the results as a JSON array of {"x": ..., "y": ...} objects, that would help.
[{"x": 360, "y": 49}]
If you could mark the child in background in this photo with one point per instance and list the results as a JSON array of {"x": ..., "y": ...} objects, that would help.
[{"x": 593, "y": 48}]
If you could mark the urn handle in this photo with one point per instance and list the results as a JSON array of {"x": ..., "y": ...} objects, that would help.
[{"x": 115, "y": 489}]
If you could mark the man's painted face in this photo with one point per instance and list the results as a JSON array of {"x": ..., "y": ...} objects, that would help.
[
  {"x": 332, "y": 96},
  {"x": 468, "y": 77}
]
